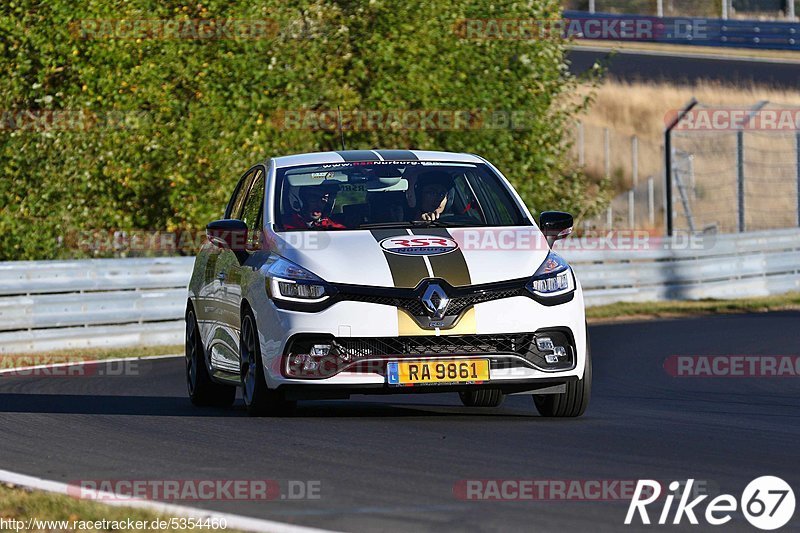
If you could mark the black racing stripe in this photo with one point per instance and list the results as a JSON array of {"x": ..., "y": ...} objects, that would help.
[
  {"x": 407, "y": 271},
  {"x": 452, "y": 266},
  {"x": 397, "y": 155},
  {"x": 358, "y": 155}
]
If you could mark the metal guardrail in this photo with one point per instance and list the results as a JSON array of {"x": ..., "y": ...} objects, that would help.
[
  {"x": 56, "y": 305},
  {"x": 700, "y": 31}
]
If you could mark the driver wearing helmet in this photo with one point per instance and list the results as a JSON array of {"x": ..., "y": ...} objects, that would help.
[
  {"x": 430, "y": 194},
  {"x": 316, "y": 203}
]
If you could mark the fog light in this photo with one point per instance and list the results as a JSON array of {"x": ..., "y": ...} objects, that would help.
[
  {"x": 544, "y": 343},
  {"x": 560, "y": 351},
  {"x": 551, "y": 358}
]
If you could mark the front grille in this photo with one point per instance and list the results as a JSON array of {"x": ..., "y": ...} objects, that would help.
[
  {"x": 353, "y": 349},
  {"x": 413, "y": 306}
]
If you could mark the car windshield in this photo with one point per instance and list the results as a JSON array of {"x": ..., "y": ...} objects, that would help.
[{"x": 375, "y": 194}]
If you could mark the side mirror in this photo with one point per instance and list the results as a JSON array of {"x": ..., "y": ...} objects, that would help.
[
  {"x": 228, "y": 233},
  {"x": 555, "y": 225}
]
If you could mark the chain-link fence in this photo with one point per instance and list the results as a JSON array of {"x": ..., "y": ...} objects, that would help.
[
  {"x": 633, "y": 165},
  {"x": 737, "y": 169},
  {"x": 733, "y": 169}
]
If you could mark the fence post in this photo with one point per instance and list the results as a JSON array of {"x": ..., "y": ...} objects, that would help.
[
  {"x": 635, "y": 159},
  {"x": 631, "y": 209},
  {"x": 740, "y": 179},
  {"x": 609, "y": 218},
  {"x": 591, "y": 6},
  {"x": 660, "y": 8},
  {"x": 790, "y": 10},
  {"x": 724, "y": 9},
  {"x": 581, "y": 150},
  {"x": 668, "y": 162},
  {"x": 607, "y": 151},
  {"x": 740, "y": 160},
  {"x": 651, "y": 201},
  {"x": 797, "y": 150}
]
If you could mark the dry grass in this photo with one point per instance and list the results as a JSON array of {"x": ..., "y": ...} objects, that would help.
[{"x": 640, "y": 108}]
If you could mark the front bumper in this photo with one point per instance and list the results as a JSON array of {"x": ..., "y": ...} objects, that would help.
[{"x": 352, "y": 323}]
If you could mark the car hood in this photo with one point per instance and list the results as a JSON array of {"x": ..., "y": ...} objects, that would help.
[{"x": 402, "y": 257}]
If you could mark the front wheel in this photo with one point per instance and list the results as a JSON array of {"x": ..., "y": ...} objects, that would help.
[
  {"x": 574, "y": 401},
  {"x": 259, "y": 399},
  {"x": 202, "y": 390},
  {"x": 482, "y": 398}
]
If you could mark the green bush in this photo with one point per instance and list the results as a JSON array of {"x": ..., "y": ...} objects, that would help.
[{"x": 174, "y": 122}]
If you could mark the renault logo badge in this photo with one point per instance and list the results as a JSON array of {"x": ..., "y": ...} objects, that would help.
[{"x": 435, "y": 300}]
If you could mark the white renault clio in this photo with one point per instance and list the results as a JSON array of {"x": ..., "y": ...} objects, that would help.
[{"x": 384, "y": 272}]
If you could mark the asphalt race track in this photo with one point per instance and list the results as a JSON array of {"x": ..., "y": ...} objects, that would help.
[
  {"x": 391, "y": 463},
  {"x": 629, "y": 65}
]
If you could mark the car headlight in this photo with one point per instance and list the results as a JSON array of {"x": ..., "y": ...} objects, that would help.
[
  {"x": 293, "y": 283},
  {"x": 553, "y": 278}
]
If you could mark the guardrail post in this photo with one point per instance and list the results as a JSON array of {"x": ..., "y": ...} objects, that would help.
[
  {"x": 660, "y": 8},
  {"x": 790, "y": 10},
  {"x": 725, "y": 9},
  {"x": 635, "y": 159},
  {"x": 609, "y": 218},
  {"x": 651, "y": 201},
  {"x": 591, "y": 6}
]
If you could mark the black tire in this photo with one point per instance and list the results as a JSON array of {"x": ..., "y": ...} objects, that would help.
[
  {"x": 482, "y": 398},
  {"x": 259, "y": 399},
  {"x": 574, "y": 401},
  {"x": 203, "y": 392}
]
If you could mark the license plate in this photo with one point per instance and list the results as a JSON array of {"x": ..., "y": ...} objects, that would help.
[{"x": 421, "y": 372}]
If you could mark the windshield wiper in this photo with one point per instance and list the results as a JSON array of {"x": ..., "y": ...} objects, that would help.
[
  {"x": 443, "y": 224},
  {"x": 377, "y": 225},
  {"x": 417, "y": 224}
]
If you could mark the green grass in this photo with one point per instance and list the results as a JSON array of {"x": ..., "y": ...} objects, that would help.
[
  {"x": 647, "y": 310},
  {"x": 22, "y": 504}
]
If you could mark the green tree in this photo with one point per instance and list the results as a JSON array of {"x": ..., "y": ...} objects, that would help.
[{"x": 162, "y": 128}]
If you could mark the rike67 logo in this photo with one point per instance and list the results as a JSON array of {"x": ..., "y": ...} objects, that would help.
[{"x": 767, "y": 503}]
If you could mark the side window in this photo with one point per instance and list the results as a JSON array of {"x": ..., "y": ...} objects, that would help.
[
  {"x": 240, "y": 194},
  {"x": 253, "y": 207},
  {"x": 498, "y": 207}
]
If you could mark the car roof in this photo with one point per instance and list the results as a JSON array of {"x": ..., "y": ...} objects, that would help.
[{"x": 317, "y": 158}]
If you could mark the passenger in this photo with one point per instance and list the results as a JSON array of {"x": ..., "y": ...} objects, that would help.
[
  {"x": 430, "y": 194},
  {"x": 316, "y": 204}
]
